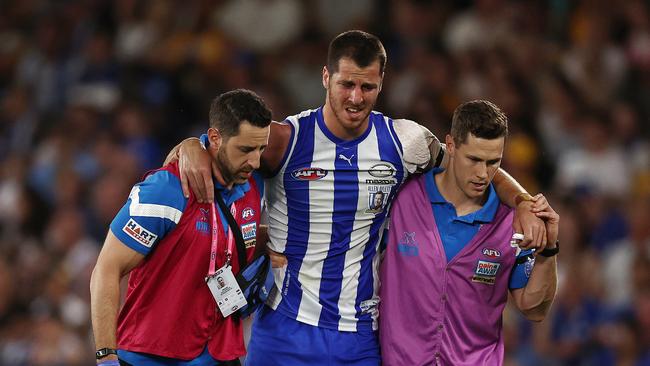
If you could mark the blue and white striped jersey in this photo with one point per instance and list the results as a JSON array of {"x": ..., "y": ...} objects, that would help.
[{"x": 327, "y": 207}]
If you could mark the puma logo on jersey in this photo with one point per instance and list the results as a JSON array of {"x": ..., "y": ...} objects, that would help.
[{"x": 349, "y": 160}]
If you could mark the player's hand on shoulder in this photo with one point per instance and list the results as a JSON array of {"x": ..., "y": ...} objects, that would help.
[
  {"x": 530, "y": 225},
  {"x": 196, "y": 169},
  {"x": 544, "y": 211}
]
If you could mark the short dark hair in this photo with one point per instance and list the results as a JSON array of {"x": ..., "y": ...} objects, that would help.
[
  {"x": 229, "y": 109},
  {"x": 361, "y": 47},
  {"x": 481, "y": 118}
]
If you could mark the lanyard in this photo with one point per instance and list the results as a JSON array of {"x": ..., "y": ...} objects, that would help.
[{"x": 215, "y": 240}]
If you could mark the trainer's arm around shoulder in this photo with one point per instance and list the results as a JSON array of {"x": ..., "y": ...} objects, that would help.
[
  {"x": 512, "y": 194},
  {"x": 114, "y": 262},
  {"x": 535, "y": 299}
]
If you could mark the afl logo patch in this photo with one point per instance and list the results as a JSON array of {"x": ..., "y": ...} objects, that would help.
[
  {"x": 309, "y": 173},
  {"x": 491, "y": 253},
  {"x": 247, "y": 213},
  {"x": 382, "y": 170}
]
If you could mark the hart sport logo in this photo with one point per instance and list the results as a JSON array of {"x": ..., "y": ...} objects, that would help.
[
  {"x": 139, "y": 234},
  {"x": 309, "y": 173}
]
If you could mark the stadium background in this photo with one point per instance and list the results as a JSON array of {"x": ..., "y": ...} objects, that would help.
[{"x": 95, "y": 92}]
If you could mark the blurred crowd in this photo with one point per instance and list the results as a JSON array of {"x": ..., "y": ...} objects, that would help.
[{"x": 93, "y": 93}]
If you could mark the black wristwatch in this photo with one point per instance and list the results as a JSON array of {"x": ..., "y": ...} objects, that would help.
[
  {"x": 101, "y": 353},
  {"x": 549, "y": 252}
]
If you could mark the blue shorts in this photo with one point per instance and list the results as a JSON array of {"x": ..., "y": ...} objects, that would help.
[
  {"x": 143, "y": 359},
  {"x": 279, "y": 340}
]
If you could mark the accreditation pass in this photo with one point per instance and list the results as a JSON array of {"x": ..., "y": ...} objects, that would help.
[{"x": 226, "y": 291}]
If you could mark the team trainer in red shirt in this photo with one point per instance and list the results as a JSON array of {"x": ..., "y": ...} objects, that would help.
[{"x": 165, "y": 241}]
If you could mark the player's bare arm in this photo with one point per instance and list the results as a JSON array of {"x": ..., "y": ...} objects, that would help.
[
  {"x": 526, "y": 222},
  {"x": 173, "y": 154},
  {"x": 279, "y": 138},
  {"x": 197, "y": 169},
  {"x": 535, "y": 300},
  {"x": 114, "y": 262}
]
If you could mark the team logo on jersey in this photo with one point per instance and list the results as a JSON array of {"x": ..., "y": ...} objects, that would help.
[
  {"x": 408, "y": 246},
  {"x": 377, "y": 198},
  {"x": 309, "y": 173},
  {"x": 491, "y": 253},
  {"x": 382, "y": 170},
  {"x": 201, "y": 224},
  {"x": 202, "y": 227},
  {"x": 486, "y": 272},
  {"x": 247, "y": 213},
  {"x": 249, "y": 233},
  {"x": 139, "y": 233},
  {"x": 204, "y": 213}
]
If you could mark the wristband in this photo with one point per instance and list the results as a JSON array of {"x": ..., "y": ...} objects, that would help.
[
  {"x": 521, "y": 197},
  {"x": 101, "y": 353},
  {"x": 550, "y": 252}
]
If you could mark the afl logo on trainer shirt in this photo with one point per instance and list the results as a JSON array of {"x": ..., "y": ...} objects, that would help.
[
  {"x": 309, "y": 173},
  {"x": 491, "y": 253},
  {"x": 247, "y": 213}
]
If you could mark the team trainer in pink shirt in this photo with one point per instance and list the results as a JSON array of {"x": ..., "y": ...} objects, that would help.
[{"x": 449, "y": 261}]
